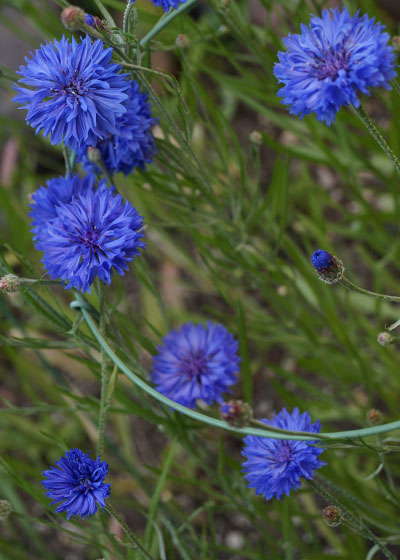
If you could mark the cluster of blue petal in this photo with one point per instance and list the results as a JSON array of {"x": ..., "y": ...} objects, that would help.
[
  {"x": 332, "y": 60},
  {"x": 77, "y": 482},
  {"x": 321, "y": 260},
  {"x": 75, "y": 93},
  {"x": 167, "y": 4},
  {"x": 133, "y": 146},
  {"x": 274, "y": 466},
  {"x": 90, "y": 235},
  {"x": 58, "y": 191},
  {"x": 196, "y": 362}
]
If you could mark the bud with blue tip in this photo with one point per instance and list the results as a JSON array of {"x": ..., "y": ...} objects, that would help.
[{"x": 330, "y": 269}]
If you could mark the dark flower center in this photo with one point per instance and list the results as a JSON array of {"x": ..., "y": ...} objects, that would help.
[
  {"x": 194, "y": 365},
  {"x": 90, "y": 237},
  {"x": 85, "y": 484},
  {"x": 330, "y": 63},
  {"x": 283, "y": 453}
]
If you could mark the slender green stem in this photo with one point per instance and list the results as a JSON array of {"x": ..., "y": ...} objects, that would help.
[
  {"x": 131, "y": 537},
  {"x": 39, "y": 282},
  {"x": 83, "y": 305},
  {"x": 351, "y": 286},
  {"x": 362, "y": 114},
  {"x": 281, "y": 430},
  {"x": 104, "y": 379},
  {"x": 68, "y": 168},
  {"x": 165, "y": 21}
]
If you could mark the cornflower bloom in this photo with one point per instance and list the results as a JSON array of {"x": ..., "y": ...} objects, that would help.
[
  {"x": 196, "y": 362},
  {"x": 75, "y": 93},
  {"x": 58, "y": 191},
  {"x": 274, "y": 466},
  {"x": 332, "y": 60},
  {"x": 133, "y": 145},
  {"x": 167, "y": 4},
  {"x": 78, "y": 483},
  {"x": 91, "y": 235}
]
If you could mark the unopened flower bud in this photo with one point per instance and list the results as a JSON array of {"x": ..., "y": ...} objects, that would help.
[
  {"x": 255, "y": 138},
  {"x": 236, "y": 413},
  {"x": 385, "y": 338},
  {"x": 374, "y": 417},
  {"x": 5, "y": 509},
  {"x": 396, "y": 42},
  {"x": 73, "y": 18},
  {"x": 182, "y": 41},
  {"x": 333, "y": 516},
  {"x": 9, "y": 283},
  {"x": 329, "y": 267},
  {"x": 94, "y": 155}
]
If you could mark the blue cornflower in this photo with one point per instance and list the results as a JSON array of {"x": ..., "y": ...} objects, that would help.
[
  {"x": 331, "y": 61},
  {"x": 167, "y": 4},
  {"x": 77, "y": 92},
  {"x": 58, "y": 191},
  {"x": 78, "y": 483},
  {"x": 92, "y": 235},
  {"x": 274, "y": 466},
  {"x": 196, "y": 362},
  {"x": 133, "y": 145}
]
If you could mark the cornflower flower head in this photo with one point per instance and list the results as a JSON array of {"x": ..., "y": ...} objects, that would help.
[
  {"x": 133, "y": 145},
  {"x": 167, "y": 4},
  {"x": 77, "y": 484},
  {"x": 196, "y": 362},
  {"x": 92, "y": 235},
  {"x": 332, "y": 60},
  {"x": 75, "y": 93},
  {"x": 58, "y": 191},
  {"x": 274, "y": 466}
]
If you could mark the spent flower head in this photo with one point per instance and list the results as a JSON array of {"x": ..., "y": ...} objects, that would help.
[
  {"x": 274, "y": 466},
  {"x": 333, "y": 60},
  {"x": 77, "y": 484},
  {"x": 74, "y": 92},
  {"x": 196, "y": 362}
]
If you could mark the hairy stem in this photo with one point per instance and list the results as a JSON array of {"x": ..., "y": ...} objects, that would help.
[
  {"x": 131, "y": 537},
  {"x": 104, "y": 379},
  {"x": 362, "y": 114},
  {"x": 351, "y": 286}
]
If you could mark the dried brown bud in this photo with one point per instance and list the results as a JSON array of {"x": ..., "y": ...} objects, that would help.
[
  {"x": 385, "y": 338},
  {"x": 5, "y": 509},
  {"x": 255, "y": 137},
  {"x": 73, "y": 18},
  {"x": 333, "y": 516},
  {"x": 9, "y": 283},
  {"x": 236, "y": 413},
  {"x": 374, "y": 417},
  {"x": 182, "y": 41}
]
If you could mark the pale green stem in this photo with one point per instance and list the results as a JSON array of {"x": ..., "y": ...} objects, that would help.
[
  {"x": 159, "y": 26},
  {"x": 351, "y": 286},
  {"x": 131, "y": 537},
  {"x": 81, "y": 304},
  {"x": 104, "y": 379},
  {"x": 362, "y": 114}
]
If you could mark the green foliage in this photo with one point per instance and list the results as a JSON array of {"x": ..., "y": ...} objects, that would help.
[{"x": 232, "y": 219}]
